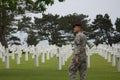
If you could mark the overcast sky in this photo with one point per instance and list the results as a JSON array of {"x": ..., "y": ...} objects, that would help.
[{"x": 88, "y": 7}]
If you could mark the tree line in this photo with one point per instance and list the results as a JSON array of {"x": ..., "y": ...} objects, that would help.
[
  {"x": 54, "y": 28},
  {"x": 58, "y": 30}
]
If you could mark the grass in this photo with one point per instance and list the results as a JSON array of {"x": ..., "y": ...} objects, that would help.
[{"x": 100, "y": 70}]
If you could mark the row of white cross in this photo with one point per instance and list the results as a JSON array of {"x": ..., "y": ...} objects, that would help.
[
  {"x": 46, "y": 52},
  {"x": 62, "y": 54},
  {"x": 110, "y": 53}
]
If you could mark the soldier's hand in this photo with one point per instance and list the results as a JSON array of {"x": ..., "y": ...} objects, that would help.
[{"x": 77, "y": 61}]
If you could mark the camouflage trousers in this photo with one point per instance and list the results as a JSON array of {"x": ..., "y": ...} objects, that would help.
[{"x": 81, "y": 67}]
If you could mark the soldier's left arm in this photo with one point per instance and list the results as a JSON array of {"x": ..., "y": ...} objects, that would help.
[{"x": 80, "y": 42}]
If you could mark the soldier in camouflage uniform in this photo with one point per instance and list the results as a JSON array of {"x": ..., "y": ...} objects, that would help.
[{"x": 79, "y": 60}]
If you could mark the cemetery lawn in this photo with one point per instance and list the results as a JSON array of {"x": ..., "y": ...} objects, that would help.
[{"x": 100, "y": 70}]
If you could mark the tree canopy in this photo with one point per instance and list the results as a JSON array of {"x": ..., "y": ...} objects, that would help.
[{"x": 9, "y": 9}]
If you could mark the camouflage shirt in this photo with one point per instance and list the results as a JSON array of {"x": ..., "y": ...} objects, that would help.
[{"x": 80, "y": 44}]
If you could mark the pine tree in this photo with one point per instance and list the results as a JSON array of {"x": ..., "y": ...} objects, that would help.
[{"x": 102, "y": 29}]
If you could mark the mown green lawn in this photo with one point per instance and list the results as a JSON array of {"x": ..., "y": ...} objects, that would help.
[{"x": 100, "y": 70}]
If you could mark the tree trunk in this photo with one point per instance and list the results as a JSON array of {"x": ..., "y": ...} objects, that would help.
[
  {"x": 109, "y": 38},
  {"x": 3, "y": 24},
  {"x": 2, "y": 37}
]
